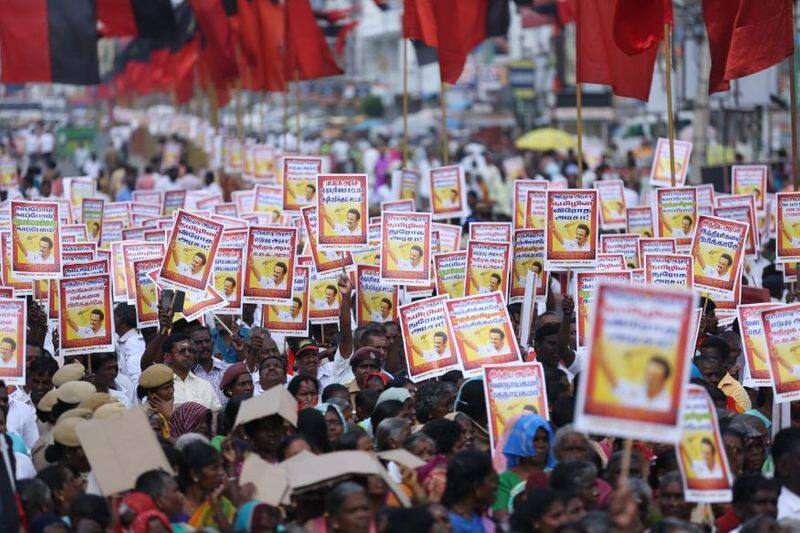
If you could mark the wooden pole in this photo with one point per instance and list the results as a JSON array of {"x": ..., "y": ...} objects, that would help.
[
  {"x": 297, "y": 109},
  {"x": 214, "y": 104},
  {"x": 443, "y": 104},
  {"x": 670, "y": 117},
  {"x": 579, "y": 129},
  {"x": 239, "y": 122},
  {"x": 625, "y": 466},
  {"x": 285, "y": 118},
  {"x": 405, "y": 103}
]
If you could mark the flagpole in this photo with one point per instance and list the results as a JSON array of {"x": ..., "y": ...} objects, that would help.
[
  {"x": 579, "y": 129},
  {"x": 443, "y": 104},
  {"x": 793, "y": 99},
  {"x": 297, "y": 108},
  {"x": 239, "y": 124},
  {"x": 670, "y": 118},
  {"x": 285, "y": 117},
  {"x": 214, "y": 105},
  {"x": 405, "y": 103}
]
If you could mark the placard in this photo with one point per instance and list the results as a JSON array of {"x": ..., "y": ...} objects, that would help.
[
  {"x": 376, "y": 301},
  {"x": 717, "y": 252},
  {"x": 754, "y": 344},
  {"x": 488, "y": 268},
  {"x": 677, "y": 213},
  {"x": 637, "y": 370},
  {"x": 36, "y": 239},
  {"x": 536, "y": 209},
  {"x": 674, "y": 270},
  {"x": 746, "y": 215},
  {"x": 427, "y": 343},
  {"x": 787, "y": 219},
  {"x": 342, "y": 207},
  {"x": 190, "y": 253},
  {"x": 781, "y": 327},
  {"x": 13, "y": 327},
  {"x": 639, "y": 220},
  {"x": 405, "y": 247},
  {"x": 626, "y": 244},
  {"x": 527, "y": 256},
  {"x": 291, "y": 319},
  {"x": 611, "y": 194},
  {"x": 448, "y": 193},
  {"x": 270, "y": 264},
  {"x": 481, "y": 331},
  {"x": 86, "y": 322},
  {"x": 661, "y": 172},
  {"x": 300, "y": 181},
  {"x": 586, "y": 284},
  {"x": 449, "y": 236},
  {"x": 147, "y": 292},
  {"x": 701, "y": 451},
  {"x": 513, "y": 390},
  {"x": 136, "y": 251},
  {"x": 227, "y": 278},
  {"x": 490, "y": 231},
  {"x": 521, "y": 188},
  {"x": 750, "y": 179},
  {"x": 450, "y": 271},
  {"x": 323, "y": 260},
  {"x": 92, "y": 217},
  {"x": 571, "y": 232}
]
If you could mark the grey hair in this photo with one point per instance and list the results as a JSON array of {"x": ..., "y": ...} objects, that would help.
[
  {"x": 188, "y": 438},
  {"x": 565, "y": 431},
  {"x": 639, "y": 487},
  {"x": 35, "y": 495},
  {"x": 337, "y": 496},
  {"x": 390, "y": 428}
]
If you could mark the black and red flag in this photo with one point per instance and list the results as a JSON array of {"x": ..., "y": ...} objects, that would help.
[
  {"x": 48, "y": 41},
  {"x": 148, "y": 19}
]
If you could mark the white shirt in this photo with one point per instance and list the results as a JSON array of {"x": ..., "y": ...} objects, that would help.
[
  {"x": 322, "y": 303},
  {"x": 130, "y": 348},
  {"x": 488, "y": 350},
  {"x": 286, "y": 316},
  {"x": 631, "y": 394},
  {"x": 24, "y": 468},
  {"x": 678, "y": 232},
  {"x": 701, "y": 470},
  {"x": 269, "y": 283},
  {"x": 573, "y": 245},
  {"x": 87, "y": 332},
  {"x": 344, "y": 229},
  {"x": 36, "y": 257},
  {"x": 195, "y": 389},
  {"x": 788, "y": 505},
  {"x": 46, "y": 142},
  {"x": 124, "y": 385},
  {"x": 713, "y": 272},
  {"x": 11, "y": 363},
  {"x": 22, "y": 421},
  {"x": 433, "y": 355},
  {"x": 377, "y": 316},
  {"x": 186, "y": 270},
  {"x": 405, "y": 264}
]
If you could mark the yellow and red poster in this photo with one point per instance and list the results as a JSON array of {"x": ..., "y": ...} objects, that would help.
[
  {"x": 521, "y": 189},
  {"x": 481, "y": 331},
  {"x": 536, "y": 209},
  {"x": 717, "y": 251},
  {"x": 701, "y": 452},
  {"x": 661, "y": 173},
  {"x": 92, "y": 218},
  {"x": 324, "y": 296},
  {"x": 405, "y": 247},
  {"x": 342, "y": 210},
  {"x": 754, "y": 344},
  {"x": 585, "y": 291},
  {"x": 641, "y": 343},
  {"x": 449, "y": 236},
  {"x": 450, "y": 272},
  {"x": 13, "y": 327},
  {"x": 448, "y": 192},
  {"x": 147, "y": 292},
  {"x": 677, "y": 214},
  {"x": 513, "y": 390},
  {"x": 428, "y": 344},
  {"x": 9, "y": 178},
  {"x": 291, "y": 319},
  {"x": 782, "y": 333},
  {"x": 527, "y": 256},
  {"x": 36, "y": 239},
  {"x": 300, "y": 181},
  {"x": 376, "y": 301},
  {"x": 270, "y": 264},
  {"x": 86, "y": 322},
  {"x": 136, "y": 251},
  {"x": 571, "y": 230},
  {"x": 173, "y": 201},
  {"x": 745, "y": 214},
  {"x": 490, "y": 231},
  {"x": 611, "y": 194},
  {"x": 227, "y": 280},
  {"x": 674, "y": 270},
  {"x": 656, "y": 246},
  {"x": 626, "y": 244},
  {"x": 324, "y": 261},
  {"x": 263, "y": 163},
  {"x": 488, "y": 268},
  {"x": 639, "y": 220},
  {"x": 787, "y": 219},
  {"x": 750, "y": 179},
  {"x": 190, "y": 253}
]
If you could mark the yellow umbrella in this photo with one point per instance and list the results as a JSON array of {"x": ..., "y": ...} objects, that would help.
[{"x": 544, "y": 139}]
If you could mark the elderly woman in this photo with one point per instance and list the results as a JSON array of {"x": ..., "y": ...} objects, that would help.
[
  {"x": 191, "y": 417},
  {"x": 237, "y": 382},
  {"x": 202, "y": 480}
]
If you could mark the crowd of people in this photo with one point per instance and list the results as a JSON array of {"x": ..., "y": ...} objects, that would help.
[{"x": 347, "y": 389}]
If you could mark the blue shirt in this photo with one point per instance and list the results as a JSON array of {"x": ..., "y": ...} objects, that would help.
[
  {"x": 462, "y": 525},
  {"x": 227, "y": 352}
]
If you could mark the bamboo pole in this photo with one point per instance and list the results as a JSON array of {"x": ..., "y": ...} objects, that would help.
[
  {"x": 443, "y": 104},
  {"x": 405, "y": 103},
  {"x": 670, "y": 116},
  {"x": 579, "y": 129},
  {"x": 297, "y": 109}
]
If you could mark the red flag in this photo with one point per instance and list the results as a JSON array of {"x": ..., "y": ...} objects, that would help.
[
  {"x": 745, "y": 37},
  {"x": 600, "y": 60},
  {"x": 453, "y": 27},
  {"x": 219, "y": 47},
  {"x": 273, "y": 31},
  {"x": 639, "y": 24},
  {"x": 152, "y": 19},
  {"x": 307, "y": 53}
]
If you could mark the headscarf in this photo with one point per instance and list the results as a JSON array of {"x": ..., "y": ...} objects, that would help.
[
  {"x": 520, "y": 441},
  {"x": 245, "y": 515},
  {"x": 323, "y": 408},
  {"x": 144, "y": 509},
  {"x": 400, "y": 394},
  {"x": 186, "y": 418}
]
